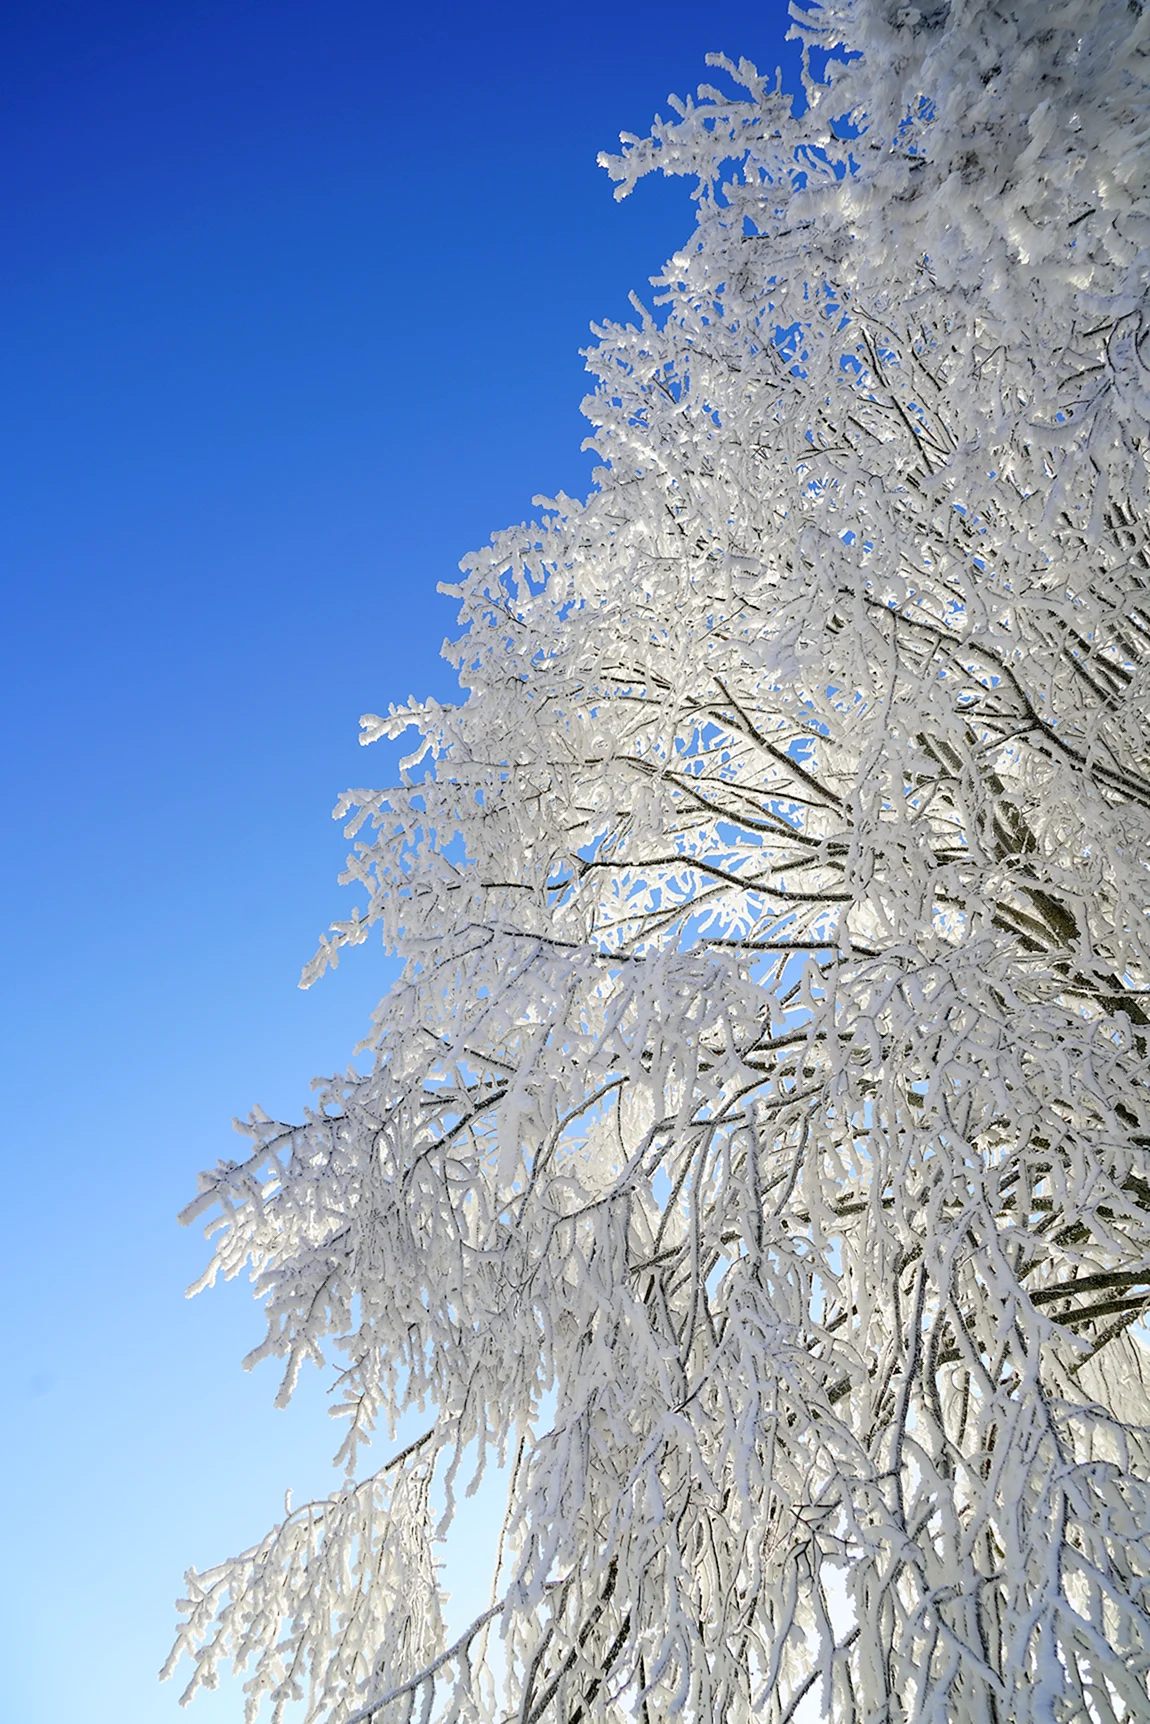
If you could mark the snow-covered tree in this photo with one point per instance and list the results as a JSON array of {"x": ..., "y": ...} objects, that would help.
[{"x": 756, "y": 1156}]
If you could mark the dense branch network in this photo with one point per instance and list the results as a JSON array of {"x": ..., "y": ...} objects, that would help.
[{"x": 756, "y": 1159}]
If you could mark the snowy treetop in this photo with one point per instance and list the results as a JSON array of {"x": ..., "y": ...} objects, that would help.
[{"x": 756, "y": 1157}]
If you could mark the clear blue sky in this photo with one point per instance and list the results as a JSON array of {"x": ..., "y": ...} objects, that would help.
[{"x": 292, "y": 301}]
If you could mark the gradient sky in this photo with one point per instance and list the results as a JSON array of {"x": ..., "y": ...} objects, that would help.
[{"x": 293, "y": 295}]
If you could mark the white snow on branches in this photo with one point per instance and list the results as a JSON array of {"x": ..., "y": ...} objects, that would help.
[{"x": 756, "y": 1159}]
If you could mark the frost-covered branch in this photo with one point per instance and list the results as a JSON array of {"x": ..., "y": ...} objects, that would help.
[{"x": 757, "y": 1145}]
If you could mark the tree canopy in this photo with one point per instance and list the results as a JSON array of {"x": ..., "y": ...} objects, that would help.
[{"x": 755, "y": 1160}]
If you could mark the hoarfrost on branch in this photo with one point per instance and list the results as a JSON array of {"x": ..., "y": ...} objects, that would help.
[{"x": 756, "y": 1159}]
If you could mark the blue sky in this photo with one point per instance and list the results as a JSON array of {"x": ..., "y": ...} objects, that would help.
[{"x": 292, "y": 296}]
